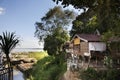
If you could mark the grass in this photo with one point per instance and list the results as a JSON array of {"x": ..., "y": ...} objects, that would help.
[
  {"x": 47, "y": 69},
  {"x": 92, "y": 74},
  {"x": 37, "y": 55}
]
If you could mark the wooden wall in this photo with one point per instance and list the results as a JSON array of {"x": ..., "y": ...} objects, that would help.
[{"x": 84, "y": 47}]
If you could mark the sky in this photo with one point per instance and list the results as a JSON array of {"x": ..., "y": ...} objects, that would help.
[{"x": 19, "y": 16}]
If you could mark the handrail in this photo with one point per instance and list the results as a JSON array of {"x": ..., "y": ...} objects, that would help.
[{"x": 6, "y": 73}]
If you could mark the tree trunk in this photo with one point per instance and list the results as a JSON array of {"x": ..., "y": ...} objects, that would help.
[
  {"x": 8, "y": 61},
  {"x": 9, "y": 67}
]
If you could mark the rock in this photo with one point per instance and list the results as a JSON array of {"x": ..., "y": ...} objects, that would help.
[
  {"x": 25, "y": 66},
  {"x": 29, "y": 60}
]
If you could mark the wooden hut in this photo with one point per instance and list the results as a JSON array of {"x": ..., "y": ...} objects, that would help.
[{"x": 86, "y": 44}]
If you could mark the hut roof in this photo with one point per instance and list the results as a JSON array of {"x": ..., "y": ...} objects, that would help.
[{"x": 89, "y": 37}]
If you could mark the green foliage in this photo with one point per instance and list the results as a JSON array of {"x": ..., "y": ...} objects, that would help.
[
  {"x": 115, "y": 46},
  {"x": 56, "y": 17},
  {"x": 91, "y": 74},
  {"x": 60, "y": 59},
  {"x": 37, "y": 55},
  {"x": 46, "y": 69},
  {"x": 107, "y": 35},
  {"x": 113, "y": 74},
  {"x": 80, "y": 26},
  {"x": 8, "y": 41},
  {"x": 52, "y": 29},
  {"x": 37, "y": 71},
  {"x": 107, "y": 14},
  {"x": 108, "y": 62},
  {"x": 53, "y": 43}
]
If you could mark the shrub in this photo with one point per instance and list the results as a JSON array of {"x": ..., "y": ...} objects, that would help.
[
  {"x": 91, "y": 74},
  {"x": 47, "y": 69},
  {"x": 37, "y": 55}
]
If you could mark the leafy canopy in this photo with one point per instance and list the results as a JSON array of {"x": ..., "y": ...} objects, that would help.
[
  {"x": 107, "y": 14},
  {"x": 53, "y": 43},
  {"x": 56, "y": 17},
  {"x": 53, "y": 29}
]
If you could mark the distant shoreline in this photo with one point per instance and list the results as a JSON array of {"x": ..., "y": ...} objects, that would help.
[{"x": 27, "y": 50}]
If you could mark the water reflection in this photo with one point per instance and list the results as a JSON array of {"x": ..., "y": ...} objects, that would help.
[{"x": 17, "y": 75}]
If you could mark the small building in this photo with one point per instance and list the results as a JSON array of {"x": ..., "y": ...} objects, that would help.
[{"x": 87, "y": 44}]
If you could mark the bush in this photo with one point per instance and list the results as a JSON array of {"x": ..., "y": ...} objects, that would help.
[
  {"x": 113, "y": 74},
  {"x": 91, "y": 74},
  {"x": 37, "y": 55},
  {"x": 47, "y": 69}
]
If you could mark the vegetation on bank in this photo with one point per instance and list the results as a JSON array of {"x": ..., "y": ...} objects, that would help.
[
  {"x": 92, "y": 74},
  {"x": 48, "y": 68},
  {"x": 37, "y": 55},
  {"x": 52, "y": 29},
  {"x": 109, "y": 71}
]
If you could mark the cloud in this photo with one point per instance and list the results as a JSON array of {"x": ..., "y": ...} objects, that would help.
[{"x": 2, "y": 10}]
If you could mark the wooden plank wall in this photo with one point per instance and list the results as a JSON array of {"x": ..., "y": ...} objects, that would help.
[{"x": 84, "y": 47}]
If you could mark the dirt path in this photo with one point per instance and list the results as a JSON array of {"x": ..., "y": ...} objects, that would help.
[{"x": 69, "y": 75}]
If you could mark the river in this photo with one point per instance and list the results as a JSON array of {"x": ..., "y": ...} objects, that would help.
[{"x": 17, "y": 75}]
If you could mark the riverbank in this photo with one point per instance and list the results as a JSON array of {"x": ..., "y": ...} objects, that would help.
[
  {"x": 25, "y": 66},
  {"x": 49, "y": 68},
  {"x": 24, "y": 61},
  {"x": 17, "y": 50},
  {"x": 21, "y": 55}
]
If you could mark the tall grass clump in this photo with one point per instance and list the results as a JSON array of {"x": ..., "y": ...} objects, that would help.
[
  {"x": 92, "y": 74},
  {"x": 38, "y": 55},
  {"x": 48, "y": 68}
]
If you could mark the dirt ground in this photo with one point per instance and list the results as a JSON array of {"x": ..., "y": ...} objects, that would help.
[{"x": 69, "y": 75}]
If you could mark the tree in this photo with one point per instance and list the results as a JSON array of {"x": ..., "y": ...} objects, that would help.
[
  {"x": 8, "y": 41},
  {"x": 53, "y": 43},
  {"x": 107, "y": 13},
  {"x": 53, "y": 29},
  {"x": 56, "y": 17},
  {"x": 79, "y": 26}
]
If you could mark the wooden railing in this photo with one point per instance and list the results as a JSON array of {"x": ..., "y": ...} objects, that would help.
[{"x": 6, "y": 74}]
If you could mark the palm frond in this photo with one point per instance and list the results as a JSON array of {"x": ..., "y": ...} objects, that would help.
[{"x": 8, "y": 41}]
